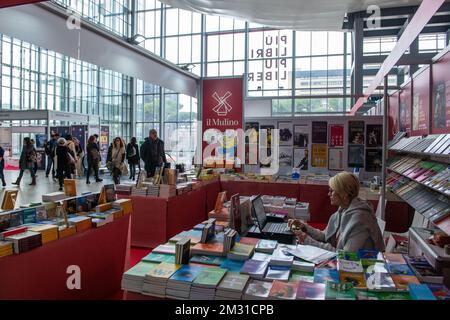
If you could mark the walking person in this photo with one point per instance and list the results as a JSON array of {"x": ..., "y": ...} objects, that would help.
[
  {"x": 93, "y": 156},
  {"x": 73, "y": 151},
  {"x": 35, "y": 162},
  {"x": 152, "y": 152},
  {"x": 26, "y": 162},
  {"x": 50, "y": 147},
  {"x": 80, "y": 154},
  {"x": 2, "y": 166},
  {"x": 133, "y": 157},
  {"x": 64, "y": 158},
  {"x": 117, "y": 165}
]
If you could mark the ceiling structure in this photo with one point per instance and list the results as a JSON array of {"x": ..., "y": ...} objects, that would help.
[{"x": 317, "y": 15}]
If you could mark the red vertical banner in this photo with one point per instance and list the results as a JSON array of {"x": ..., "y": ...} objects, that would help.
[
  {"x": 394, "y": 126},
  {"x": 421, "y": 103},
  {"x": 222, "y": 110},
  {"x": 405, "y": 108},
  {"x": 336, "y": 135},
  {"x": 441, "y": 95}
]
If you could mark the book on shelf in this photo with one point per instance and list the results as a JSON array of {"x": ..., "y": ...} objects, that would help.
[
  {"x": 6, "y": 248},
  {"x": 81, "y": 223},
  {"x": 311, "y": 290},
  {"x": 229, "y": 240},
  {"x": 49, "y": 232},
  {"x": 53, "y": 197},
  {"x": 9, "y": 200},
  {"x": 440, "y": 291},
  {"x": 248, "y": 240},
  {"x": 299, "y": 265},
  {"x": 26, "y": 241},
  {"x": 283, "y": 290},
  {"x": 257, "y": 290},
  {"x": 312, "y": 254},
  {"x": 380, "y": 295},
  {"x": 65, "y": 231},
  {"x": 423, "y": 270},
  {"x": 401, "y": 269},
  {"x": 255, "y": 269}
]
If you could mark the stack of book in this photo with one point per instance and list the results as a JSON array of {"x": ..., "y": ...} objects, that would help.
[
  {"x": 125, "y": 204},
  {"x": 278, "y": 273},
  {"x": 257, "y": 290},
  {"x": 65, "y": 231},
  {"x": 49, "y": 232},
  {"x": 220, "y": 215},
  {"x": 229, "y": 240},
  {"x": 124, "y": 189},
  {"x": 167, "y": 191},
  {"x": 26, "y": 241},
  {"x": 6, "y": 248},
  {"x": 204, "y": 286},
  {"x": 53, "y": 197},
  {"x": 256, "y": 269},
  {"x": 167, "y": 248},
  {"x": 208, "y": 230},
  {"x": 133, "y": 279},
  {"x": 310, "y": 290},
  {"x": 283, "y": 290},
  {"x": 81, "y": 223},
  {"x": 155, "y": 281},
  {"x": 211, "y": 249},
  {"x": 183, "y": 251},
  {"x": 232, "y": 286},
  {"x": 152, "y": 190},
  {"x": 281, "y": 257},
  {"x": 302, "y": 211},
  {"x": 138, "y": 191},
  {"x": 423, "y": 270},
  {"x": 103, "y": 216},
  {"x": 179, "y": 285},
  {"x": 266, "y": 246},
  {"x": 241, "y": 252}
]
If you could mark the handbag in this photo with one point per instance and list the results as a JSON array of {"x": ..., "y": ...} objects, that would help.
[
  {"x": 124, "y": 169},
  {"x": 70, "y": 159}
]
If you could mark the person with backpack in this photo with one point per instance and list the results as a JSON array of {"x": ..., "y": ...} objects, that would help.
[
  {"x": 28, "y": 157},
  {"x": 133, "y": 157},
  {"x": 93, "y": 159},
  {"x": 65, "y": 158}
]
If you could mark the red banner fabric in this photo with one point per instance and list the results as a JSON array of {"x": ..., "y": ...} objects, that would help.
[
  {"x": 441, "y": 95},
  {"x": 336, "y": 135},
  {"x": 394, "y": 126},
  {"x": 421, "y": 103},
  {"x": 405, "y": 108},
  {"x": 222, "y": 107},
  {"x": 11, "y": 3}
]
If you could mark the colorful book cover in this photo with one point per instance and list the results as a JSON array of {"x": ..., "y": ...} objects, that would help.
[
  {"x": 234, "y": 282},
  {"x": 394, "y": 258},
  {"x": 278, "y": 273},
  {"x": 323, "y": 275},
  {"x": 163, "y": 270},
  {"x": 339, "y": 291},
  {"x": 358, "y": 280},
  {"x": 373, "y": 295},
  {"x": 258, "y": 288},
  {"x": 255, "y": 268},
  {"x": 141, "y": 269},
  {"x": 186, "y": 273},
  {"x": 284, "y": 290},
  {"x": 266, "y": 245},
  {"x": 210, "y": 276},
  {"x": 440, "y": 291},
  {"x": 165, "y": 248},
  {"x": 346, "y": 255},
  {"x": 41, "y": 213},
  {"x": 301, "y": 276},
  {"x": 210, "y": 260},
  {"x": 82, "y": 204},
  {"x": 379, "y": 281},
  {"x": 401, "y": 282},
  {"x": 209, "y": 247},
  {"x": 110, "y": 192},
  {"x": 242, "y": 249},
  {"x": 250, "y": 241},
  {"x": 370, "y": 254},
  {"x": 402, "y": 269},
  {"x": 29, "y": 215},
  {"x": 420, "y": 292},
  {"x": 349, "y": 266},
  {"x": 311, "y": 291},
  {"x": 159, "y": 257},
  {"x": 232, "y": 265},
  {"x": 70, "y": 187},
  {"x": 261, "y": 256}
]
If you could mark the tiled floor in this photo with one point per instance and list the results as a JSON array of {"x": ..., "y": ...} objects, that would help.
[{"x": 29, "y": 194}]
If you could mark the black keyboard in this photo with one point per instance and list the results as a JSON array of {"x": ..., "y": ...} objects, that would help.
[{"x": 277, "y": 228}]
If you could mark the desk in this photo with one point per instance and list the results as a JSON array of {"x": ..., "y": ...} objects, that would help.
[{"x": 102, "y": 255}]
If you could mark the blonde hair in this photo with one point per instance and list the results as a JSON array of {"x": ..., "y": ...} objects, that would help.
[{"x": 345, "y": 183}]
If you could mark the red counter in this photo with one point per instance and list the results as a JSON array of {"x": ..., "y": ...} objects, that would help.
[
  {"x": 102, "y": 255},
  {"x": 246, "y": 188}
]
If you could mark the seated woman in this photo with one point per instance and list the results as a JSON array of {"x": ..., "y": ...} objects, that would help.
[{"x": 354, "y": 226}]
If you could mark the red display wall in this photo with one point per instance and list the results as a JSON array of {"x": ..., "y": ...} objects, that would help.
[
  {"x": 405, "y": 108},
  {"x": 10, "y": 3},
  {"x": 394, "y": 125},
  {"x": 440, "y": 115},
  {"x": 421, "y": 103}
]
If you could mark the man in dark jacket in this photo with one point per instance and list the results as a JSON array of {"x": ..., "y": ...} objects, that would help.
[{"x": 152, "y": 153}]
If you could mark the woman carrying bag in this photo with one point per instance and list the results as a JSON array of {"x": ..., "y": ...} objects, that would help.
[
  {"x": 117, "y": 165},
  {"x": 27, "y": 159}
]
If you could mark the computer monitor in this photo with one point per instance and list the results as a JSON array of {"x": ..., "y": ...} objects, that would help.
[{"x": 260, "y": 213}]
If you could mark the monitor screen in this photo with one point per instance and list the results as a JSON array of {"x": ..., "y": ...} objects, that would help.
[{"x": 260, "y": 212}]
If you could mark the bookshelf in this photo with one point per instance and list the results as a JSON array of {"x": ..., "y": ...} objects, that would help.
[{"x": 419, "y": 173}]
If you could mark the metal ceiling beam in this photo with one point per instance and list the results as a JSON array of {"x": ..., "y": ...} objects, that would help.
[
  {"x": 406, "y": 59},
  {"x": 394, "y": 32}
]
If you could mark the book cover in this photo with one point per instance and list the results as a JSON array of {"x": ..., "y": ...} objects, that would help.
[
  {"x": 374, "y": 136},
  {"x": 258, "y": 288},
  {"x": 420, "y": 292},
  {"x": 380, "y": 281},
  {"x": 210, "y": 277},
  {"x": 395, "y": 257},
  {"x": 261, "y": 256},
  {"x": 319, "y": 132},
  {"x": 374, "y": 295},
  {"x": 401, "y": 269},
  {"x": 301, "y": 276},
  {"x": 349, "y": 266},
  {"x": 165, "y": 248},
  {"x": 141, "y": 269},
  {"x": 216, "y": 248},
  {"x": 242, "y": 249},
  {"x": 347, "y": 255},
  {"x": 356, "y": 132},
  {"x": 41, "y": 213},
  {"x": 284, "y": 290},
  {"x": 401, "y": 281},
  {"x": 440, "y": 291},
  {"x": 358, "y": 280},
  {"x": 254, "y": 268},
  {"x": 311, "y": 291},
  {"x": 70, "y": 187},
  {"x": 232, "y": 265},
  {"x": 278, "y": 273},
  {"x": 209, "y": 260},
  {"x": 234, "y": 281},
  {"x": 163, "y": 270},
  {"x": 322, "y": 275},
  {"x": 356, "y": 156},
  {"x": 186, "y": 273},
  {"x": 29, "y": 215},
  {"x": 266, "y": 245},
  {"x": 110, "y": 192},
  {"x": 374, "y": 160},
  {"x": 339, "y": 291},
  {"x": 82, "y": 204},
  {"x": 159, "y": 257}
]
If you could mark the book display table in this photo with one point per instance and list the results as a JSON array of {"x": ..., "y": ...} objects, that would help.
[
  {"x": 101, "y": 254},
  {"x": 249, "y": 188}
]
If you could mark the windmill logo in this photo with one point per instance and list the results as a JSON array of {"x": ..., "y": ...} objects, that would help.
[{"x": 223, "y": 107}]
